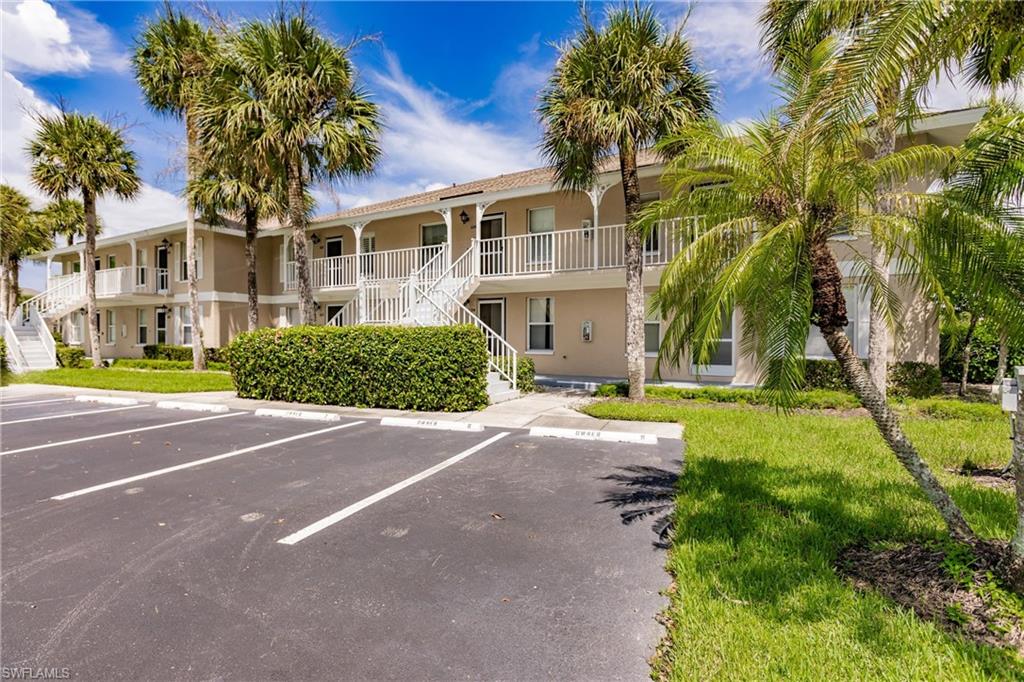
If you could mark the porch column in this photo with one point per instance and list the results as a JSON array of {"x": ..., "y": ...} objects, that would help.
[
  {"x": 134, "y": 275},
  {"x": 49, "y": 270},
  {"x": 357, "y": 230},
  {"x": 81, "y": 261},
  {"x": 446, "y": 213},
  {"x": 481, "y": 209},
  {"x": 596, "y": 194}
]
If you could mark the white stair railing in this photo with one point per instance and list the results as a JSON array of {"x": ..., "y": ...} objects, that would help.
[
  {"x": 66, "y": 295},
  {"x": 35, "y": 320},
  {"x": 501, "y": 356},
  {"x": 14, "y": 351},
  {"x": 347, "y": 315}
]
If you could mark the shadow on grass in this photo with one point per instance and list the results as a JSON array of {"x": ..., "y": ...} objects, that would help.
[{"x": 764, "y": 537}]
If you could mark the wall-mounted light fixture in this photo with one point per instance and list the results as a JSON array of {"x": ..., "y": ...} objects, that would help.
[
  {"x": 315, "y": 238},
  {"x": 464, "y": 217},
  {"x": 165, "y": 243}
]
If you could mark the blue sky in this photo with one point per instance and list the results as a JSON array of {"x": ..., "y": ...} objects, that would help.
[{"x": 457, "y": 82}]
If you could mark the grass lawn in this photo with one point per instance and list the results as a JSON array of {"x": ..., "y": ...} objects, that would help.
[
  {"x": 163, "y": 381},
  {"x": 765, "y": 504}
]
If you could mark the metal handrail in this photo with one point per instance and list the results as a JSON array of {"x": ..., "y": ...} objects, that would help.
[
  {"x": 35, "y": 320},
  {"x": 19, "y": 362}
]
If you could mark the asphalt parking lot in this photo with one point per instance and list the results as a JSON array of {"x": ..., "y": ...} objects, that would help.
[{"x": 148, "y": 543}]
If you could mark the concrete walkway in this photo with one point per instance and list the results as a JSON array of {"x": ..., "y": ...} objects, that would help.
[{"x": 550, "y": 408}]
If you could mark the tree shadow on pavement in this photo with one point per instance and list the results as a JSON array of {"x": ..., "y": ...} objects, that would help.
[{"x": 643, "y": 492}]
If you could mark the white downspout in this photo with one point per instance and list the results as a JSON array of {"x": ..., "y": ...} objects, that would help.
[{"x": 357, "y": 230}]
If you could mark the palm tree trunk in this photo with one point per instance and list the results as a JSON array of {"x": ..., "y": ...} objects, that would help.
[
  {"x": 966, "y": 364},
  {"x": 13, "y": 287},
  {"x": 89, "y": 202},
  {"x": 198, "y": 352},
  {"x": 251, "y": 226},
  {"x": 878, "y": 330},
  {"x": 634, "y": 261},
  {"x": 829, "y": 313},
  {"x": 297, "y": 217},
  {"x": 5, "y": 308}
]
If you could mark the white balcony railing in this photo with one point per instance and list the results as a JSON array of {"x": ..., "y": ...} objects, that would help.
[
  {"x": 340, "y": 272},
  {"x": 575, "y": 250}
]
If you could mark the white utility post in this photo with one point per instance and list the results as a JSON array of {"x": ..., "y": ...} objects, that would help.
[
  {"x": 357, "y": 230},
  {"x": 596, "y": 194},
  {"x": 446, "y": 213}
]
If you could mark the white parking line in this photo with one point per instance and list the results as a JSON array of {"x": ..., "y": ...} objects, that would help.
[
  {"x": 348, "y": 511},
  {"x": 198, "y": 462},
  {"x": 70, "y": 414},
  {"x": 119, "y": 433},
  {"x": 35, "y": 402}
]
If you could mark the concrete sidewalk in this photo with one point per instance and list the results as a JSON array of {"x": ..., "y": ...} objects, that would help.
[{"x": 550, "y": 408}]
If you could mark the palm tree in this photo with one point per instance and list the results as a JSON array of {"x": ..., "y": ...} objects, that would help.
[
  {"x": 72, "y": 152},
  {"x": 172, "y": 58},
  {"x": 231, "y": 185},
  {"x": 20, "y": 235},
  {"x": 618, "y": 89},
  {"x": 771, "y": 198},
  {"x": 893, "y": 50},
  {"x": 311, "y": 122},
  {"x": 66, "y": 218}
]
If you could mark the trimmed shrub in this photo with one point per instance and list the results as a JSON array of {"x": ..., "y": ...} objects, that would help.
[
  {"x": 526, "y": 373},
  {"x": 824, "y": 374},
  {"x": 984, "y": 355},
  {"x": 145, "y": 363},
  {"x": 408, "y": 368},
  {"x": 70, "y": 356},
  {"x": 165, "y": 351},
  {"x": 3, "y": 356},
  {"x": 945, "y": 408},
  {"x": 914, "y": 380},
  {"x": 817, "y": 399}
]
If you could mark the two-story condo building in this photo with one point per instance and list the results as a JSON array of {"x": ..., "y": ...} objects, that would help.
[{"x": 541, "y": 269}]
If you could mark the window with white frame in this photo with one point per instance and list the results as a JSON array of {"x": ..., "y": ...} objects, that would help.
[
  {"x": 858, "y": 311},
  {"x": 142, "y": 327},
  {"x": 111, "y": 327},
  {"x": 540, "y": 325},
  {"x": 141, "y": 258},
  {"x": 291, "y": 316},
  {"x": 111, "y": 262},
  {"x": 181, "y": 258},
  {"x": 723, "y": 360},
  {"x": 652, "y": 243},
  {"x": 541, "y": 226},
  {"x": 185, "y": 324},
  {"x": 652, "y": 332}
]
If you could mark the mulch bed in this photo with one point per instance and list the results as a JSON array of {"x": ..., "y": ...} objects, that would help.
[
  {"x": 914, "y": 577},
  {"x": 1000, "y": 479}
]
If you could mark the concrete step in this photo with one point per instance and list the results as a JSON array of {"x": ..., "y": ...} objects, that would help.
[{"x": 502, "y": 396}]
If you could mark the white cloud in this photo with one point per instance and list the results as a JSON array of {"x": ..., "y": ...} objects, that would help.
[
  {"x": 947, "y": 93},
  {"x": 39, "y": 39},
  {"x": 153, "y": 206},
  {"x": 426, "y": 140},
  {"x": 726, "y": 37}
]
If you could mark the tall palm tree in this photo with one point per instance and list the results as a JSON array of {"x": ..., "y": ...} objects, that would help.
[
  {"x": 172, "y": 58},
  {"x": 617, "y": 89},
  {"x": 230, "y": 185},
  {"x": 66, "y": 218},
  {"x": 771, "y": 198},
  {"x": 72, "y": 152},
  {"x": 893, "y": 49},
  {"x": 311, "y": 122},
  {"x": 21, "y": 234}
]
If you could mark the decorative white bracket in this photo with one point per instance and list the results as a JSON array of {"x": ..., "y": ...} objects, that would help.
[
  {"x": 481, "y": 209},
  {"x": 596, "y": 194}
]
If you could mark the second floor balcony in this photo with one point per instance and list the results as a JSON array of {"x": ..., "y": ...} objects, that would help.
[
  {"x": 120, "y": 281},
  {"x": 525, "y": 255}
]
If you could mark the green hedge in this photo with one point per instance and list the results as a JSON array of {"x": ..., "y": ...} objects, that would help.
[
  {"x": 906, "y": 379},
  {"x": 984, "y": 355},
  {"x": 146, "y": 363},
  {"x": 165, "y": 351},
  {"x": 409, "y": 368},
  {"x": 72, "y": 357},
  {"x": 816, "y": 399},
  {"x": 3, "y": 357},
  {"x": 526, "y": 372}
]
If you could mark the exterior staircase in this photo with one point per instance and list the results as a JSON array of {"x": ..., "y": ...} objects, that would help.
[
  {"x": 434, "y": 295},
  {"x": 30, "y": 345}
]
